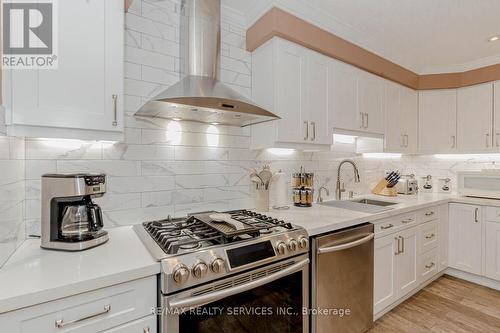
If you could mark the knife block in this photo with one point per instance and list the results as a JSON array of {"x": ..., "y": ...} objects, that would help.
[{"x": 382, "y": 189}]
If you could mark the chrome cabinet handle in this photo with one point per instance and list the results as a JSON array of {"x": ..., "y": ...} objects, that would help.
[
  {"x": 307, "y": 130},
  {"x": 496, "y": 139},
  {"x": 429, "y": 214},
  {"x": 430, "y": 236},
  {"x": 60, "y": 323},
  {"x": 430, "y": 265},
  {"x": 362, "y": 119},
  {"x": 406, "y": 144},
  {"x": 313, "y": 124},
  {"x": 402, "y": 244},
  {"x": 146, "y": 329},
  {"x": 476, "y": 213},
  {"x": 487, "y": 140},
  {"x": 407, "y": 221},
  {"x": 454, "y": 142},
  {"x": 200, "y": 300},
  {"x": 115, "y": 109},
  {"x": 398, "y": 251},
  {"x": 388, "y": 226}
]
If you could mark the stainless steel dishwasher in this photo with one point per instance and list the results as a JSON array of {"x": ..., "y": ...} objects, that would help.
[{"x": 342, "y": 281}]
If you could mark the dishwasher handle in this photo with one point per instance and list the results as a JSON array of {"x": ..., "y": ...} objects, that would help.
[{"x": 345, "y": 246}]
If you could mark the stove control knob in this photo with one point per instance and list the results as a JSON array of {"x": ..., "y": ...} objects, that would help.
[
  {"x": 303, "y": 242},
  {"x": 181, "y": 274},
  {"x": 293, "y": 245},
  {"x": 200, "y": 269},
  {"x": 281, "y": 248},
  {"x": 217, "y": 265}
]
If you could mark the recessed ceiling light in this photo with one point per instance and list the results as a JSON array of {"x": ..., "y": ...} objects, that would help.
[{"x": 494, "y": 38}]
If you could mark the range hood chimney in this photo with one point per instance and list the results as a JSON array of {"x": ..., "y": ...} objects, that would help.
[{"x": 199, "y": 95}]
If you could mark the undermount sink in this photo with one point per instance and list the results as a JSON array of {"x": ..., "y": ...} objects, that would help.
[
  {"x": 360, "y": 205},
  {"x": 374, "y": 202}
]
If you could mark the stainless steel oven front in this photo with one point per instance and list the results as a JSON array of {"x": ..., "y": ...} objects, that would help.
[{"x": 272, "y": 298}]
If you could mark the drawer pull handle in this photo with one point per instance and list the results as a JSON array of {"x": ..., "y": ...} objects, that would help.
[
  {"x": 429, "y": 214},
  {"x": 430, "y": 265},
  {"x": 383, "y": 227},
  {"x": 429, "y": 236},
  {"x": 60, "y": 323},
  {"x": 407, "y": 221},
  {"x": 115, "y": 109}
]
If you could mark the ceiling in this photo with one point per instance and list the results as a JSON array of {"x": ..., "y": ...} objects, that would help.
[{"x": 425, "y": 36}]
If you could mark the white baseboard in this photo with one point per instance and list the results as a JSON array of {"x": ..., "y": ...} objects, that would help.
[{"x": 477, "y": 279}]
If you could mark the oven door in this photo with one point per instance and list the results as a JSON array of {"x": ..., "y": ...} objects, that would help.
[{"x": 273, "y": 298}]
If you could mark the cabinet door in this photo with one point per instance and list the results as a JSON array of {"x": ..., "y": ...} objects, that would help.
[
  {"x": 318, "y": 87},
  {"x": 291, "y": 93},
  {"x": 407, "y": 262},
  {"x": 475, "y": 118},
  {"x": 385, "y": 290},
  {"x": 492, "y": 250},
  {"x": 370, "y": 99},
  {"x": 465, "y": 238},
  {"x": 344, "y": 98},
  {"x": 79, "y": 94},
  {"x": 144, "y": 325},
  {"x": 496, "y": 107},
  {"x": 437, "y": 121},
  {"x": 443, "y": 237},
  {"x": 394, "y": 129},
  {"x": 409, "y": 107}
]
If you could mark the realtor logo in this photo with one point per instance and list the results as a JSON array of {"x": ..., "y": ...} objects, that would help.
[{"x": 29, "y": 34}]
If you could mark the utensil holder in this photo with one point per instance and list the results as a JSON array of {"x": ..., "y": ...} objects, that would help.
[{"x": 262, "y": 200}]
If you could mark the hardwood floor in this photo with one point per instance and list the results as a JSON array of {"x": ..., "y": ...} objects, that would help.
[{"x": 446, "y": 305}]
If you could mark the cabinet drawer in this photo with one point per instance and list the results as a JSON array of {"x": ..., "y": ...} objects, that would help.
[
  {"x": 492, "y": 214},
  {"x": 428, "y": 235},
  {"x": 143, "y": 325},
  {"x": 389, "y": 225},
  {"x": 428, "y": 265},
  {"x": 92, "y": 311},
  {"x": 428, "y": 214}
]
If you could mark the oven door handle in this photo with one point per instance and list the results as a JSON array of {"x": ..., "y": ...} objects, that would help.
[
  {"x": 346, "y": 245},
  {"x": 197, "y": 301}
]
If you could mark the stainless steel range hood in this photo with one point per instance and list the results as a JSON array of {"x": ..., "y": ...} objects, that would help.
[{"x": 200, "y": 96}]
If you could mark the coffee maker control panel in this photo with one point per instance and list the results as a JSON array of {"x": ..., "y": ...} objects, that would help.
[{"x": 95, "y": 180}]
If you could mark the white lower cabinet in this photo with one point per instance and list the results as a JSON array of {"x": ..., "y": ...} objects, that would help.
[
  {"x": 465, "y": 237},
  {"x": 492, "y": 250},
  {"x": 143, "y": 325},
  {"x": 111, "y": 308},
  {"x": 395, "y": 270}
]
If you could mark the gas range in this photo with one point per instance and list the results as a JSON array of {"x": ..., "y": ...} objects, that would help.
[{"x": 202, "y": 248}]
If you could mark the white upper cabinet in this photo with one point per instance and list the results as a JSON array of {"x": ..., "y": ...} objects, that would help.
[
  {"x": 344, "y": 97},
  {"x": 401, "y": 105},
  {"x": 371, "y": 90},
  {"x": 437, "y": 121},
  {"x": 83, "y": 97},
  {"x": 294, "y": 83},
  {"x": 475, "y": 118},
  {"x": 357, "y": 100},
  {"x": 496, "y": 109}
]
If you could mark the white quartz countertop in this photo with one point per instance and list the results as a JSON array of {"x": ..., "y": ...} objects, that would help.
[
  {"x": 34, "y": 275},
  {"x": 320, "y": 219}
]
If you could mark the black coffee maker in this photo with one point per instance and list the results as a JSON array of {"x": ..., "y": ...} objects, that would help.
[{"x": 71, "y": 221}]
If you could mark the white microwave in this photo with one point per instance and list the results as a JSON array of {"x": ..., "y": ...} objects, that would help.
[{"x": 482, "y": 184}]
